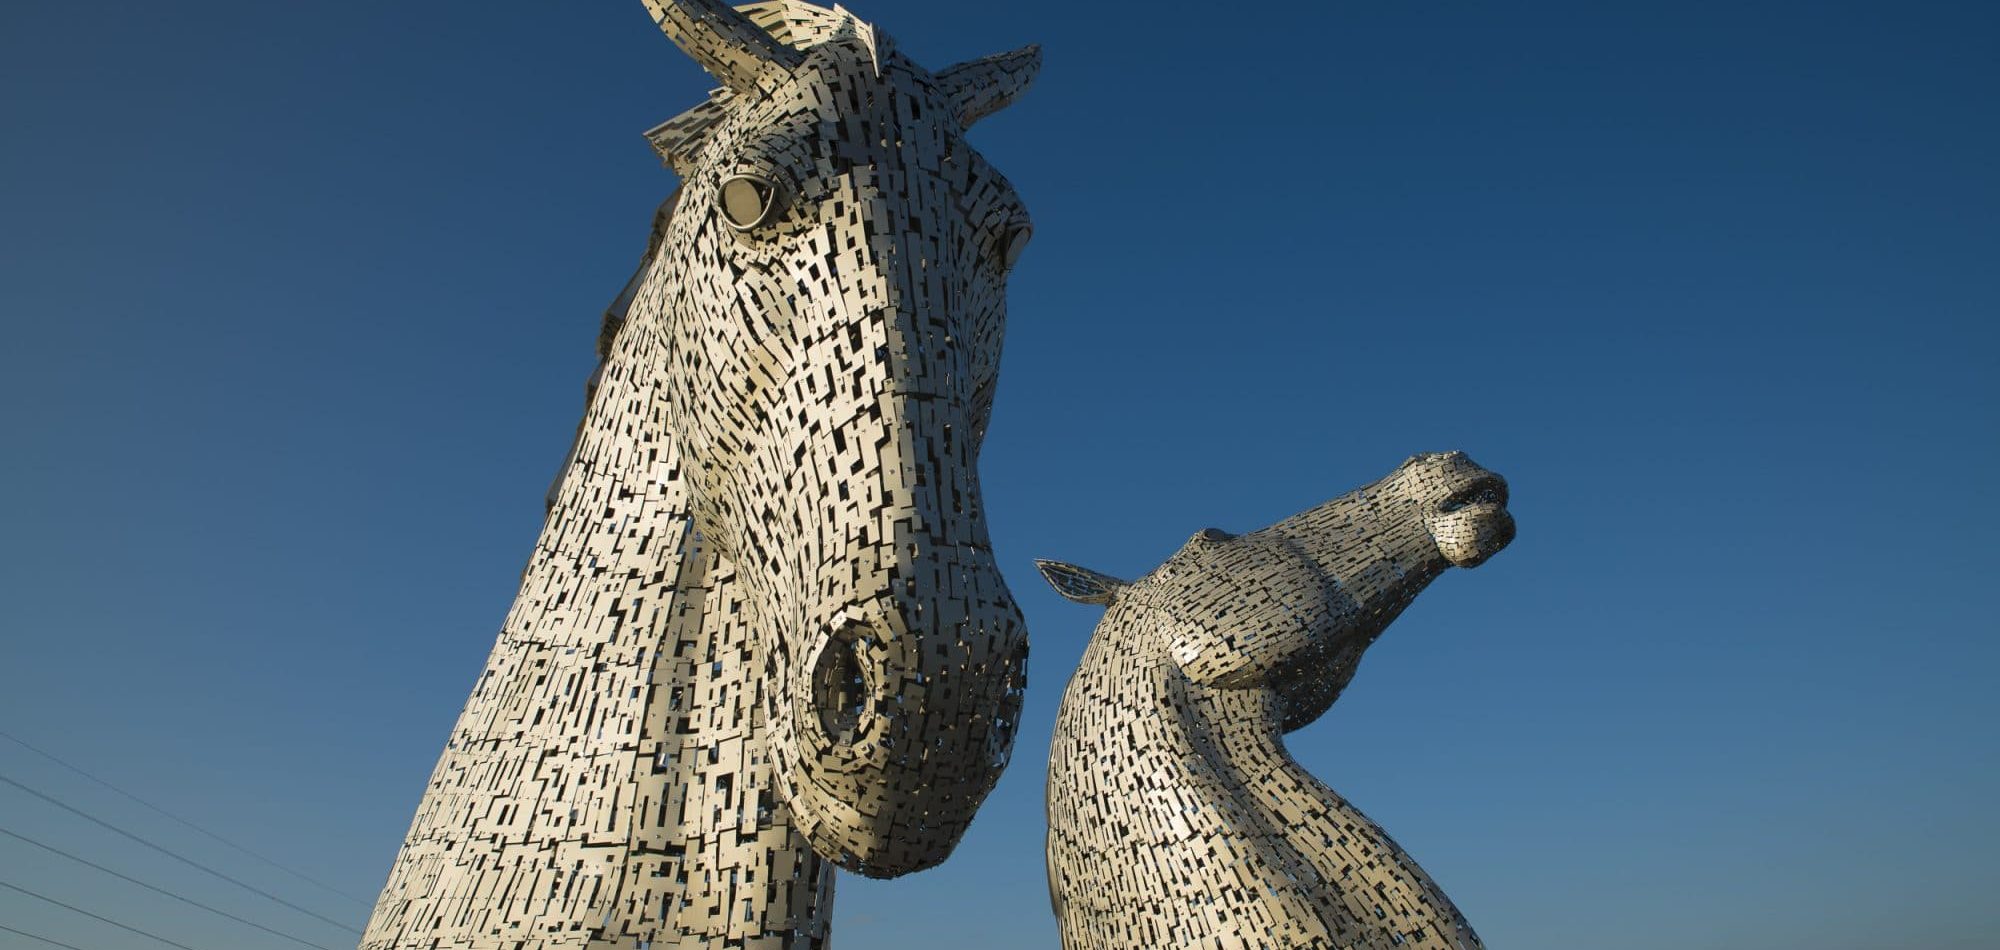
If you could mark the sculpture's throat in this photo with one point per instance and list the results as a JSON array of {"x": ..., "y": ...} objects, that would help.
[
  {"x": 1352, "y": 873},
  {"x": 1309, "y": 681}
]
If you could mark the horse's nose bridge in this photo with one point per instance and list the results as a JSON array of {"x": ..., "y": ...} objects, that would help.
[
  {"x": 930, "y": 505},
  {"x": 914, "y": 287},
  {"x": 921, "y": 350},
  {"x": 927, "y": 515},
  {"x": 933, "y": 564}
]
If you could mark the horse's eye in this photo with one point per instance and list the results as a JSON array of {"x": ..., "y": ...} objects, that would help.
[
  {"x": 748, "y": 201},
  {"x": 1013, "y": 243}
]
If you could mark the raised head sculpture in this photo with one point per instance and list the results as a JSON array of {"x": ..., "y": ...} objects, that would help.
[
  {"x": 762, "y": 633},
  {"x": 1176, "y": 817}
]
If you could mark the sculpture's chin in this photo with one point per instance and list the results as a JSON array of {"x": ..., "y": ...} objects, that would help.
[
  {"x": 882, "y": 846},
  {"x": 1469, "y": 536},
  {"x": 885, "y": 809},
  {"x": 890, "y": 860}
]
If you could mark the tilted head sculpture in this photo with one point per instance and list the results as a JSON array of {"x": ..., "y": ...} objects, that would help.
[
  {"x": 763, "y": 629},
  {"x": 1176, "y": 817}
]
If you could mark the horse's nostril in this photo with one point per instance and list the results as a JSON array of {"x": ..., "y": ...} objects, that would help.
[{"x": 840, "y": 687}]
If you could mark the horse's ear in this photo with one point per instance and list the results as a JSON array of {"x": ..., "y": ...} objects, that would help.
[
  {"x": 1079, "y": 584},
  {"x": 680, "y": 138},
  {"x": 982, "y": 87},
  {"x": 735, "y": 50}
]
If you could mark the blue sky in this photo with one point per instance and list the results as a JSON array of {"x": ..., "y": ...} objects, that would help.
[{"x": 299, "y": 300}]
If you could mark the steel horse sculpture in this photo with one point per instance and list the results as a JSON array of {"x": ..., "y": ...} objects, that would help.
[
  {"x": 1176, "y": 817},
  {"x": 762, "y": 633}
]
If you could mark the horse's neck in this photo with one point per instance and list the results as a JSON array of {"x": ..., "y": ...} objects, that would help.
[
  {"x": 1363, "y": 875},
  {"x": 1150, "y": 841},
  {"x": 606, "y": 782},
  {"x": 1116, "y": 738},
  {"x": 1168, "y": 800},
  {"x": 1116, "y": 702}
]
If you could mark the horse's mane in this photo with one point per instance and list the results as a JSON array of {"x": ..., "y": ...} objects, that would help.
[{"x": 614, "y": 315}]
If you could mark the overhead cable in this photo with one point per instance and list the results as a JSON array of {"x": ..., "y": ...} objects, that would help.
[
  {"x": 301, "y": 875},
  {"x": 190, "y": 862},
  {"x": 73, "y": 907},
  {"x": 160, "y": 890},
  {"x": 51, "y": 941}
]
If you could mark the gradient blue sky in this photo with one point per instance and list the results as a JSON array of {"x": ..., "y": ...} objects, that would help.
[{"x": 299, "y": 300}]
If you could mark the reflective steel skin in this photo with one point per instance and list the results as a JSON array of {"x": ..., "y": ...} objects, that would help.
[
  {"x": 1176, "y": 817},
  {"x": 762, "y": 633}
]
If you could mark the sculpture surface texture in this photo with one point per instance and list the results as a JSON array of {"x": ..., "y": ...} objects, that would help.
[
  {"x": 1176, "y": 817},
  {"x": 762, "y": 633}
]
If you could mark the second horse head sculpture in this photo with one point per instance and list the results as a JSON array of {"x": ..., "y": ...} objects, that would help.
[{"x": 1176, "y": 817}]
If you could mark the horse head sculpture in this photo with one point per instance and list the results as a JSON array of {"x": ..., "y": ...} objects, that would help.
[
  {"x": 1176, "y": 817},
  {"x": 831, "y": 293},
  {"x": 762, "y": 632}
]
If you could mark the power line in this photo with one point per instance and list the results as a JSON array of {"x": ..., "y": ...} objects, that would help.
[
  {"x": 175, "y": 855},
  {"x": 160, "y": 890},
  {"x": 142, "y": 933},
  {"x": 50, "y": 941},
  {"x": 301, "y": 875}
]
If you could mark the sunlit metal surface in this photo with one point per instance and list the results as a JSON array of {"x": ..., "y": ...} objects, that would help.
[{"x": 762, "y": 633}]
